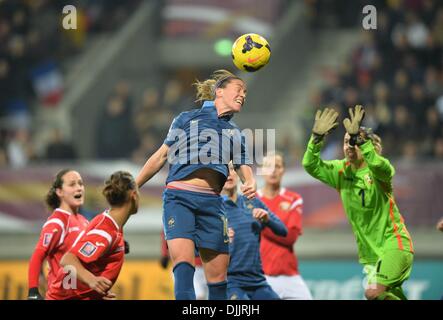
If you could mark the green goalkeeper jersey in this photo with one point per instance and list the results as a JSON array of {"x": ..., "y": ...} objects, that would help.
[{"x": 367, "y": 197}]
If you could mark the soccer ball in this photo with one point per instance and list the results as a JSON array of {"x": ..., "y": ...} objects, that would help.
[{"x": 250, "y": 52}]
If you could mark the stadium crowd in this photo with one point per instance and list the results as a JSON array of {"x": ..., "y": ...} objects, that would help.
[
  {"x": 396, "y": 73},
  {"x": 32, "y": 45}
]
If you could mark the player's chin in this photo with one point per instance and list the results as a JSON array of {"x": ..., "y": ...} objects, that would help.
[
  {"x": 229, "y": 186},
  {"x": 236, "y": 107},
  {"x": 79, "y": 201},
  {"x": 350, "y": 157}
]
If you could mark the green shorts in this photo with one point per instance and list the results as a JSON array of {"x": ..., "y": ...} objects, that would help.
[{"x": 391, "y": 270}]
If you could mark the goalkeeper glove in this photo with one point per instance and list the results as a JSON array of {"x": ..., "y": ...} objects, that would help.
[
  {"x": 352, "y": 126},
  {"x": 324, "y": 123}
]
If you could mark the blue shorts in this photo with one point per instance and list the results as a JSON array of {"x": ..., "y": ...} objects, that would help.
[
  {"x": 264, "y": 292},
  {"x": 197, "y": 216}
]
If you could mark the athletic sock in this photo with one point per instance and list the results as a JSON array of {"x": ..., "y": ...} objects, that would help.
[
  {"x": 184, "y": 281},
  {"x": 217, "y": 290}
]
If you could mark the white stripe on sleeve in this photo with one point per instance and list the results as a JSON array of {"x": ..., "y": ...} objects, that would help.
[
  {"x": 61, "y": 224},
  {"x": 102, "y": 233},
  {"x": 296, "y": 203}
]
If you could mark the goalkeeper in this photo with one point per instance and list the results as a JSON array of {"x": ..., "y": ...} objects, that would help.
[{"x": 364, "y": 181}]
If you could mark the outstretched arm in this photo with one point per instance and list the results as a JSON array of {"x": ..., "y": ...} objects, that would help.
[
  {"x": 380, "y": 167},
  {"x": 153, "y": 165},
  {"x": 324, "y": 171}
]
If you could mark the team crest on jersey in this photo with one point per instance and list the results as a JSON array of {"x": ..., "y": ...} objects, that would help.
[
  {"x": 88, "y": 249},
  {"x": 47, "y": 239},
  {"x": 285, "y": 205},
  {"x": 368, "y": 179}
]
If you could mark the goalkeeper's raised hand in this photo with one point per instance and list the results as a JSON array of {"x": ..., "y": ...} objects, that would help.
[
  {"x": 352, "y": 125},
  {"x": 325, "y": 122}
]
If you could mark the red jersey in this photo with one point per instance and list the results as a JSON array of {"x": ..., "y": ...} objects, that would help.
[
  {"x": 277, "y": 253},
  {"x": 101, "y": 250},
  {"x": 56, "y": 238}
]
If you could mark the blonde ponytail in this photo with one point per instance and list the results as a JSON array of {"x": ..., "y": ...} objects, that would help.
[{"x": 219, "y": 79}]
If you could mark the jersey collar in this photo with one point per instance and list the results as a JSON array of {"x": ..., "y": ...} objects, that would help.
[
  {"x": 210, "y": 106},
  {"x": 106, "y": 213},
  {"x": 64, "y": 211}
]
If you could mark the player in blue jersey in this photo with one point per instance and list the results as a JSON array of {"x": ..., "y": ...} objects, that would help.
[
  {"x": 199, "y": 146},
  {"x": 247, "y": 218}
]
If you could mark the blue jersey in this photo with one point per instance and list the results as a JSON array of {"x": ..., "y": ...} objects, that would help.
[
  {"x": 201, "y": 139},
  {"x": 245, "y": 267}
]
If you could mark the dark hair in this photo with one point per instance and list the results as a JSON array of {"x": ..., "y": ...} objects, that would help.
[
  {"x": 117, "y": 187},
  {"x": 52, "y": 200}
]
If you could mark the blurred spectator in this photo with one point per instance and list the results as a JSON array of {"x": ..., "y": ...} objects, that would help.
[
  {"x": 433, "y": 86},
  {"x": 58, "y": 148},
  {"x": 19, "y": 149},
  {"x": 430, "y": 131},
  {"x": 3, "y": 155},
  {"x": 144, "y": 115},
  {"x": 438, "y": 149},
  {"x": 396, "y": 73},
  {"x": 410, "y": 151},
  {"x": 116, "y": 137},
  {"x": 416, "y": 31},
  {"x": 34, "y": 52},
  {"x": 437, "y": 30},
  {"x": 440, "y": 225},
  {"x": 152, "y": 116},
  {"x": 174, "y": 98},
  {"x": 148, "y": 145},
  {"x": 123, "y": 90}
]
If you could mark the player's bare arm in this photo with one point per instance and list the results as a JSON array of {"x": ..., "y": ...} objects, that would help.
[
  {"x": 99, "y": 284},
  {"x": 153, "y": 165}
]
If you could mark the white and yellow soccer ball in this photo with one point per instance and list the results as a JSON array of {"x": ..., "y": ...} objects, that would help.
[{"x": 250, "y": 52}]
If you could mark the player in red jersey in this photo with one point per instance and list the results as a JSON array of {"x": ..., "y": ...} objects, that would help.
[
  {"x": 60, "y": 230},
  {"x": 92, "y": 265},
  {"x": 280, "y": 263}
]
